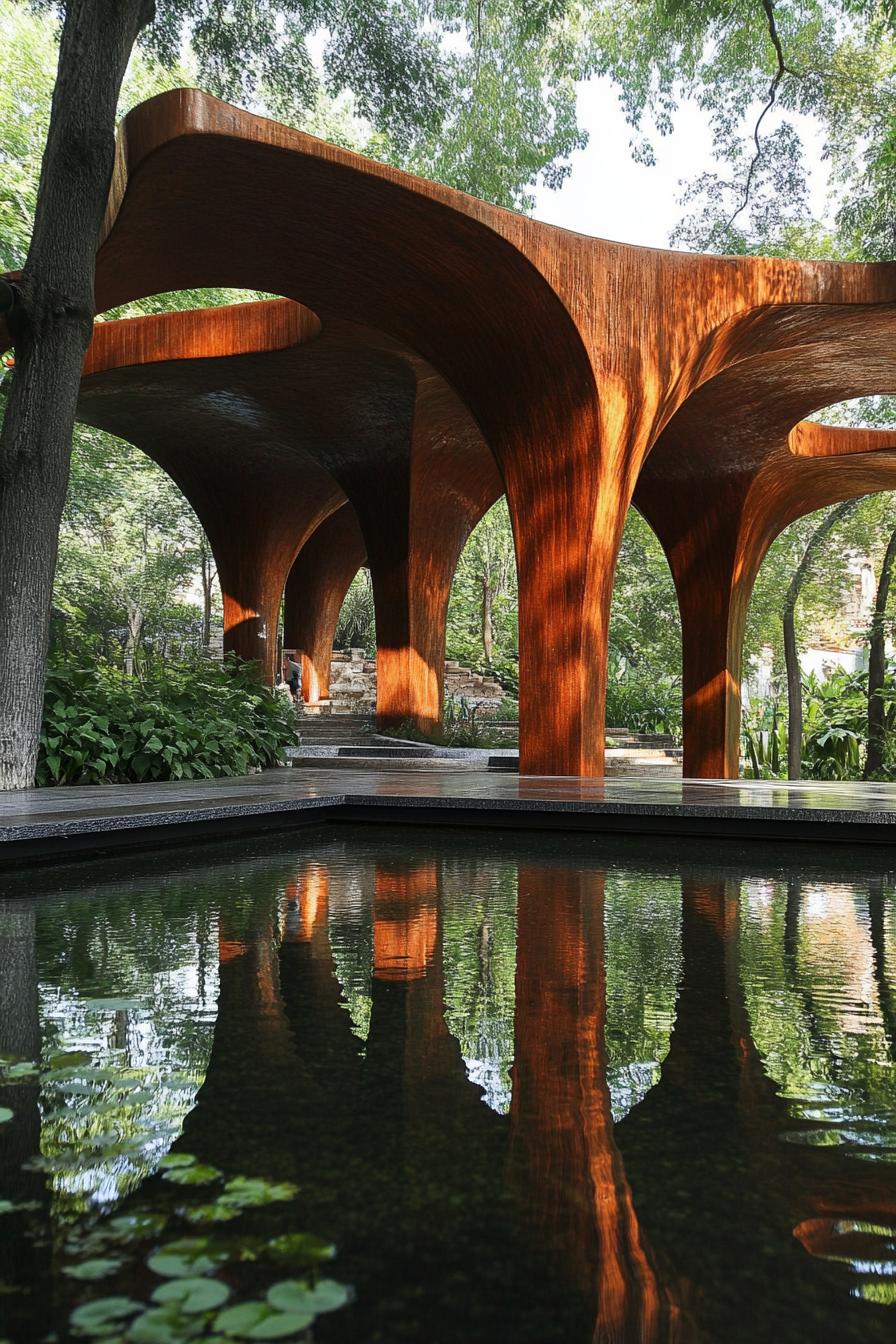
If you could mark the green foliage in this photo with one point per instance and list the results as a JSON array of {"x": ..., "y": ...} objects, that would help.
[
  {"x": 764, "y": 741},
  {"x": 482, "y": 611},
  {"x": 835, "y": 712},
  {"x": 192, "y": 721},
  {"x": 131, "y": 555},
  {"x": 644, "y": 701},
  {"x": 645, "y": 628},
  {"x": 835, "y": 728},
  {"x": 463, "y": 725},
  {"x": 356, "y": 627}
]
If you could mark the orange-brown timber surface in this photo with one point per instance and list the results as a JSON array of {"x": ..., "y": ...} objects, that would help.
[
  {"x": 265, "y": 416},
  {"x": 571, "y": 354},
  {"x": 753, "y": 473}
]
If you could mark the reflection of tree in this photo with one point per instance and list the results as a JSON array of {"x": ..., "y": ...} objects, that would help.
[
  {"x": 819, "y": 996},
  {"x": 886, "y": 994},
  {"x": 479, "y": 959},
  {"x": 23, "y": 1260}
]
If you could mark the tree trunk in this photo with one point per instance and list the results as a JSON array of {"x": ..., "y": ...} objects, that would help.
[
  {"x": 51, "y": 324},
  {"x": 791, "y": 653},
  {"x": 488, "y": 628},
  {"x": 794, "y": 697},
  {"x": 207, "y": 579},
  {"x": 135, "y": 629},
  {"x": 877, "y": 664}
]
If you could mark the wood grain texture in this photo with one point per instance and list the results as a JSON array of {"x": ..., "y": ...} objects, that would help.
[
  {"x": 728, "y": 474},
  {"x": 570, "y": 353},
  {"x": 265, "y": 415}
]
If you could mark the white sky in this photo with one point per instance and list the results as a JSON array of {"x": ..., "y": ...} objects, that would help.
[{"x": 608, "y": 195}]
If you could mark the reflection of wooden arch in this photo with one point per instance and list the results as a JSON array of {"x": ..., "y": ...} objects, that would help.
[{"x": 571, "y": 353}]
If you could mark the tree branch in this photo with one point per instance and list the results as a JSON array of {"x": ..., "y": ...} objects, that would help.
[{"x": 782, "y": 69}]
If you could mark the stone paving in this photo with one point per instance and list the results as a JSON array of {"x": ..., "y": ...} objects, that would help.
[{"x": 51, "y": 823}]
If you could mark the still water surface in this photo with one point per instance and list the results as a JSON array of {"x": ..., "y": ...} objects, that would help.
[{"x": 443, "y": 1086}]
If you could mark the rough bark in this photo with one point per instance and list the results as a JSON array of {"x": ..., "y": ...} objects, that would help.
[
  {"x": 877, "y": 664},
  {"x": 208, "y": 575},
  {"x": 135, "y": 630},
  {"x": 488, "y": 628},
  {"x": 51, "y": 324},
  {"x": 791, "y": 653}
]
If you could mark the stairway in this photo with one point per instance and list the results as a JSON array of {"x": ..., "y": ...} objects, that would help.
[{"x": 335, "y": 730}]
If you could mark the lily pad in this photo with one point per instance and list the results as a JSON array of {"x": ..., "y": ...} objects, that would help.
[
  {"x": 192, "y": 1295},
  {"x": 209, "y": 1213},
  {"x": 302, "y": 1247},
  {"x": 199, "y": 1174},
  {"x": 92, "y": 1269},
  {"x": 163, "y": 1325},
  {"x": 329, "y": 1295},
  {"x": 129, "y": 1225},
  {"x": 16, "y": 1073},
  {"x": 282, "y": 1325},
  {"x": 247, "y": 1192},
  {"x": 68, "y": 1058},
  {"x": 236, "y": 1322},
  {"x": 185, "y": 1259},
  {"x": 172, "y": 1160},
  {"x": 103, "y": 1316},
  {"x": 5, "y": 1114},
  {"x": 256, "y": 1320}
]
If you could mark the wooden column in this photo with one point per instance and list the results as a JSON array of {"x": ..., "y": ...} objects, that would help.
[{"x": 568, "y": 491}]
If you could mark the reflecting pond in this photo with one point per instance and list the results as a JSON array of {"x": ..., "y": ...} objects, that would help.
[{"x": 406, "y": 1085}]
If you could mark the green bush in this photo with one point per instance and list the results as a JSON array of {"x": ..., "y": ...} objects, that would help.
[
  {"x": 463, "y": 725},
  {"x": 644, "y": 701},
  {"x": 176, "y": 721},
  {"x": 835, "y": 725},
  {"x": 835, "y": 729},
  {"x": 764, "y": 740}
]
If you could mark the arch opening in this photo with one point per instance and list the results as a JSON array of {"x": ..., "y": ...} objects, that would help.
[
  {"x": 644, "y": 675},
  {"x": 136, "y": 579}
]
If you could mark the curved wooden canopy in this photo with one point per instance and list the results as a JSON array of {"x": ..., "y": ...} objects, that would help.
[
  {"x": 268, "y": 419},
  {"x": 571, "y": 353},
  {"x": 733, "y": 467}
]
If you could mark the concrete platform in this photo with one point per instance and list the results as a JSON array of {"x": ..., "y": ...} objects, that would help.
[{"x": 49, "y": 824}]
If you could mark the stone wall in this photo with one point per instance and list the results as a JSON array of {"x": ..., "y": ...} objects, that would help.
[{"x": 353, "y": 684}]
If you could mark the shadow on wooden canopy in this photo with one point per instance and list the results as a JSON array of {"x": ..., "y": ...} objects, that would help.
[
  {"x": 268, "y": 419},
  {"x": 738, "y": 447}
]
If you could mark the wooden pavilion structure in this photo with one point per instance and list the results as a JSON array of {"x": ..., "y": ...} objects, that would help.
[{"x": 430, "y": 352}]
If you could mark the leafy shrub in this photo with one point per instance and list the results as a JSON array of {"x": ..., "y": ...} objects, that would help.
[
  {"x": 835, "y": 725},
  {"x": 764, "y": 740},
  {"x": 178, "y": 721},
  {"x": 645, "y": 701},
  {"x": 462, "y": 726},
  {"x": 835, "y": 729}
]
